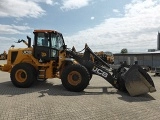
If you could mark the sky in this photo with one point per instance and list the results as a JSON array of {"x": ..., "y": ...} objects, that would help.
[{"x": 105, "y": 25}]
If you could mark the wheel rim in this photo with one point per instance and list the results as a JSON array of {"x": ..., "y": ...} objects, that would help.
[
  {"x": 21, "y": 75},
  {"x": 74, "y": 78}
]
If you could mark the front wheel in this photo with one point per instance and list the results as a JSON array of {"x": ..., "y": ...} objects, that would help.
[
  {"x": 23, "y": 75},
  {"x": 75, "y": 78}
]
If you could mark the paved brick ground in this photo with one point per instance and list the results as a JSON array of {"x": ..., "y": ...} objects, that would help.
[{"x": 100, "y": 101}]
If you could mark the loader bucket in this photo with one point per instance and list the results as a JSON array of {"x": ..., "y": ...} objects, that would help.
[{"x": 137, "y": 81}]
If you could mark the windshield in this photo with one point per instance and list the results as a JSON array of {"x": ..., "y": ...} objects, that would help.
[
  {"x": 53, "y": 40},
  {"x": 42, "y": 40},
  {"x": 57, "y": 41}
]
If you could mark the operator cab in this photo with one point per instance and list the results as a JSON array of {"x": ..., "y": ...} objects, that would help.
[{"x": 47, "y": 44}]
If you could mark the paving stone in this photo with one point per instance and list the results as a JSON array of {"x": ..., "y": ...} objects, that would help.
[{"x": 100, "y": 101}]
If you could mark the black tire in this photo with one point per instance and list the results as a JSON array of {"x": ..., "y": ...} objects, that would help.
[
  {"x": 41, "y": 80},
  {"x": 75, "y": 77},
  {"x": 23, "y": 75}
]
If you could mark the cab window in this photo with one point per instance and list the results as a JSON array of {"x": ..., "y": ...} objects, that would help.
[
  {"x": 56, "y": 41},
  {"x": 42, "y": 40}
]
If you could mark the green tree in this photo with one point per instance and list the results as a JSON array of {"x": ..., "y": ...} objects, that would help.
[{"x": 124, "y": 50}]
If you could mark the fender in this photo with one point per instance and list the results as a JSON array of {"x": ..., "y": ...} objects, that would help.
[{"x": 71, "y": 60}]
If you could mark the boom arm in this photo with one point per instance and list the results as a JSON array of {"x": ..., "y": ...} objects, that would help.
[
  {"x": 101, "y": 68},
  {"x": 134, "y": 80}
]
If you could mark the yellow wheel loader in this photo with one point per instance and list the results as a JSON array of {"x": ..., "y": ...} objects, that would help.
[
  {"x": 106, "y": 56},
  {"x": 49, "y": 57},
  {"x": 3, "y": 56}
]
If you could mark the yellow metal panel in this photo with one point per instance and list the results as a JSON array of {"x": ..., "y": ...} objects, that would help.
[{"x": 6, "y": 67}]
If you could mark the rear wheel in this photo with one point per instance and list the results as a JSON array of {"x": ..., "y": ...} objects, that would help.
[
  {"x": 75, "y": 77},
  {"x": 23, "y": 75}
]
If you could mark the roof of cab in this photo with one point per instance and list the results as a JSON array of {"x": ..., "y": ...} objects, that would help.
[{"x": 41, "y": 30}]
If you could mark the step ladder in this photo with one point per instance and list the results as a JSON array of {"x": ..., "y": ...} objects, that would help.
[{"x": 41, "y": 73}]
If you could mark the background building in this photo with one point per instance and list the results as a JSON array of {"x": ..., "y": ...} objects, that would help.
[{"x": 151, "y": 58}]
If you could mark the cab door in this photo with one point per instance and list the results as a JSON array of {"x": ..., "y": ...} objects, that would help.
[{"x": 43, "y": 50}]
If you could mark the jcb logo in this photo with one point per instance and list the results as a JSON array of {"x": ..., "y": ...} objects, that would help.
[
  {"x": 43, "y": 54},
  {"x": 100, "y": 72}
]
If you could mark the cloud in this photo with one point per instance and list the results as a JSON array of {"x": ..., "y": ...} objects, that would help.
[
  {"x": 6, "y": 35},
  {"x": 6, "y": 43},
  {"x": 21, "y": 8},
  {"x": 92, "y": 18},
  {"x": 13, "y": 29},
  {"x": 136, "y": 30},
  {"x": 74, "y": 4},
  {"x": 115, "y": 11},
  {"x": 49, "y": 2}
]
